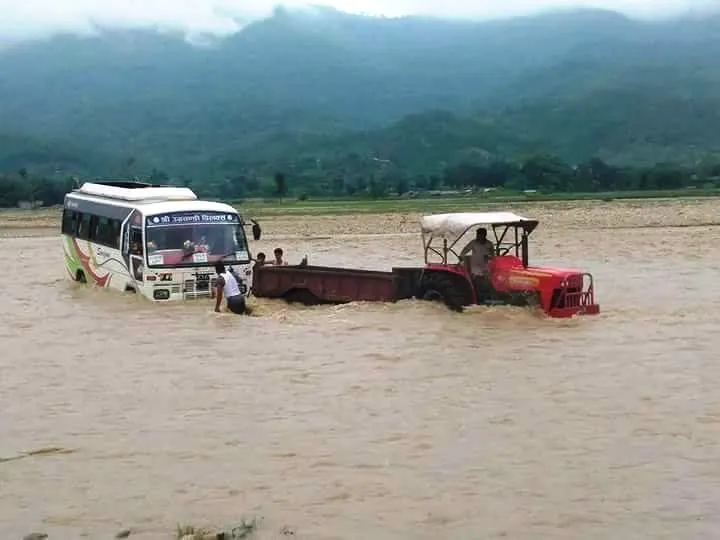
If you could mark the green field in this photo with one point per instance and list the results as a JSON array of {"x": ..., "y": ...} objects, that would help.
[{"x": 455, "y": 203}]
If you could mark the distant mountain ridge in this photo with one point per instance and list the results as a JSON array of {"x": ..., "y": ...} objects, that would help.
[{"x": 296, "y": 87}]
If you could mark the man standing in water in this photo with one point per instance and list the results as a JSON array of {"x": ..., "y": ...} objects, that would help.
[
  {"x": 227, "y": 284},
  {"x": 481, "y": 251}
]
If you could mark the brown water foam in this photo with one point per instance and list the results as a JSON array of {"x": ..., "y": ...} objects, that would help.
[{"x": 374, "y": 420}]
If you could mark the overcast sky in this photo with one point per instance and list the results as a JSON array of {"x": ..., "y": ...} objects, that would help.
[{"x": 21, "y": 18}]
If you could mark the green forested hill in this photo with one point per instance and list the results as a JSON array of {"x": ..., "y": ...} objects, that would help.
[{"x": 323, "y": 94}]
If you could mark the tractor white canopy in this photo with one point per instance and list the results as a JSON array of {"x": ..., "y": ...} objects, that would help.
[{"x": 452, "y": 226}]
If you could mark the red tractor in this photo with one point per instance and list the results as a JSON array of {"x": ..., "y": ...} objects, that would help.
[
  {"x": 446, "y": 276},
  {"x": 509, "y": 279}
]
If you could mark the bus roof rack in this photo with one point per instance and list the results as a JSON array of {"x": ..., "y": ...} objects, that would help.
[
  {"x": 125, "y": 183},
  {"x": 128, "y": 191}
]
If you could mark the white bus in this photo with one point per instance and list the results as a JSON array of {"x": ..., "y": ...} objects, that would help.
[{"x": 161, "y": 242}]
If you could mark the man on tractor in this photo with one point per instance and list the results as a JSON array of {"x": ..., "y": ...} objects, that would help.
[{"x": 481, "y": 251}]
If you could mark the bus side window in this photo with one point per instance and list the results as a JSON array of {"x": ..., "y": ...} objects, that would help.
[
  {"x": 107, "y": 232},
  {"x": 115, "y": 223},
  {"x": 83, "y": 231},
  {"x": 93, "y": 228},
  {"x": 69, "y": 222},
  {"x": 99, "y": 224}
]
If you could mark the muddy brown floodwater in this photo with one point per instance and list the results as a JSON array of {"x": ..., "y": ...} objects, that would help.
[{"x": 373, "y": 421}]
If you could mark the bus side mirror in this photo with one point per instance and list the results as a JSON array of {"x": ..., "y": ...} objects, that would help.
[{"x": 256, "y": 230}]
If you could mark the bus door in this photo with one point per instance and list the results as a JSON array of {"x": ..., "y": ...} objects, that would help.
[
  {"x": 133, "y": 248},
  {"x": 137, "y": 252}
]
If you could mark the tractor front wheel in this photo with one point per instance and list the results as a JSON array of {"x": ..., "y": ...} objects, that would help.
[{"x": 524, "y": 299}]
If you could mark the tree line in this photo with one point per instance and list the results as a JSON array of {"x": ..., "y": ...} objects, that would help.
[
  {"x": 19, "y": 187},
  {"x": 542, "y": 173}
]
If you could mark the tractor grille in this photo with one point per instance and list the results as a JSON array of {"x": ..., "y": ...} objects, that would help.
[
  {"x": 572, "y": 296},
  {"x": 575, "y": 282}
]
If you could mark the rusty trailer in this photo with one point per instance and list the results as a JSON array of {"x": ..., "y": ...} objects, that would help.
[{"x": 312, "y": 285}]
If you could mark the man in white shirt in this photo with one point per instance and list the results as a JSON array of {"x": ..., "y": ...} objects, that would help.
[
  {"x": 481, "y": 251},
  {"x": 227, "y": 284}
]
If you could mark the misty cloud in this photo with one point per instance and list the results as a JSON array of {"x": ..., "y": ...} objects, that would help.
[{"x": 30, "y": 18}]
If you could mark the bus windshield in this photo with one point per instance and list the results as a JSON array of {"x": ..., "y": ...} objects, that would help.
[{"x": 195, "y": 239}]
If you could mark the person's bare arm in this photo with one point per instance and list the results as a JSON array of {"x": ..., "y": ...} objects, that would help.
[
  {"x": 468, "y": 247},
  {"x": 219, "y": 284}
]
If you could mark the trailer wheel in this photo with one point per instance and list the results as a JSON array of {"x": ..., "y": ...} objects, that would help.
[
  {"x": 454, "y": 293},
  {"x": 80, "y": 277},
  {"x": 301, "y": 296}
]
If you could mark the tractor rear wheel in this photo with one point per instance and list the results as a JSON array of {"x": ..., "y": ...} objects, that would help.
[{"x": 452, "y": 291}]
